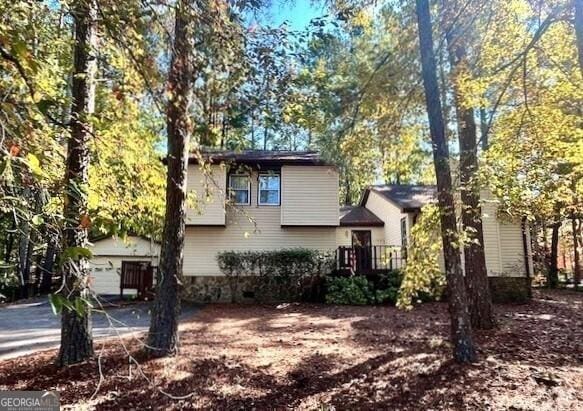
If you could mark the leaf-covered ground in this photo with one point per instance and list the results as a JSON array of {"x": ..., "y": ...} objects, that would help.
[{"x": 304, "y": 356}]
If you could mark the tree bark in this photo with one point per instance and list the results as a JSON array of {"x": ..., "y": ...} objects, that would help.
[
  {"x": 461, "y": 329},
  {"x": 576, "y": 261},
  {"x": 476, "y": 274},
  {"x": 579, "y": 30},
  {"x": 76, "y": 338},
  {"x": 23, "y": 250},
  {"x": 553, "y": 263},
  {"x": 163, "y": 334},
  {"x": 48, "y": 263}
]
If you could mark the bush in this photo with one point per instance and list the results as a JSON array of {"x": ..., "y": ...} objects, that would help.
[
  {"x": 358, "y": 290},
  {"x": 9, "y": 285},
  {"x": 349, "y": 290},
  {"x": 288, "y": 274}
]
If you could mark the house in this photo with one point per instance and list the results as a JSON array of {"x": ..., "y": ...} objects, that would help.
[
  {"x": 113, "y": 256},
  {"x": 386, "y": 213},
  {"x": 278, "y": 199},
  {"x": 271, "y": 200}
]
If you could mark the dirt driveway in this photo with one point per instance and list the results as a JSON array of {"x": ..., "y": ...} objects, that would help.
[{"x": 31, "y": 326}]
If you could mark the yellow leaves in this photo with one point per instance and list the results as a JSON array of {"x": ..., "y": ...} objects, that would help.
[
  {"x": 34, "y": 164},
  {"x": 422, "y": 272}
]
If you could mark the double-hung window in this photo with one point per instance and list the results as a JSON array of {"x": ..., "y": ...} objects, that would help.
[
  {"x": 269, "y": 189},
  {"x": 240, "y": 188}
]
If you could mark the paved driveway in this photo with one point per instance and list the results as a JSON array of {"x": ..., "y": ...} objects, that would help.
[{"x": 32, "y": 326}]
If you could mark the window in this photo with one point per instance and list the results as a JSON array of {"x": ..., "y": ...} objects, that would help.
[
  {"x": 268, "y": 193},
  {"x": 240, "y": 188}
]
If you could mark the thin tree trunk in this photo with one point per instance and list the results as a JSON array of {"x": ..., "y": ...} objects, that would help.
[
  {"x": 553, "y": 263},
  {"x": 576, "y": 261},
  {"x": 461, "y": 330},
  {"x": 48, "y": 263},
  {"x": 23, "y": 250},
  {"x": 579, "y": 30},
  {"x": 476, "y": 274},
  {"x": 484, "y": 128},
  {"x": 76, "y": 338},
  {"x": 163, "y": 334}
]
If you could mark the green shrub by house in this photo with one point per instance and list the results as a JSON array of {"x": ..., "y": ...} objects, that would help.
[
  {"x": 286, "y": 274},
  {"x": 358, "y": 290}
]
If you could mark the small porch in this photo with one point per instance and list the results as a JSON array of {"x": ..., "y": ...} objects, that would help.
[{"x": 369, "y": 260}]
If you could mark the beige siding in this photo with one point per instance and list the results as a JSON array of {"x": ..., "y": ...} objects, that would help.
[
  {"x": 390, "y": 214},
  {"x": 512, "y": 249},
  {"x": 265, "y": 233},
  {"x": 131, "y": 246},
  {"x": 309, "y": 196},
  {"x": 344, "y": 235},
  {"x": 206, "y": 192},
  {"x": 491, "y": 237},
  {"x": 108, "y": 255},
  {"x": 503, "y": 244},
  {"x": 106, "y": 271}
]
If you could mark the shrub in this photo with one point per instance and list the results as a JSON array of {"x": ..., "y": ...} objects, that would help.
[
  {"x": 358, "y": 290},
  {"x": 9, "y": 285},
  {"x": 387, "y": 288},
  {"x": 349, "y": 290},
  {"x": 277, "y": 274}
]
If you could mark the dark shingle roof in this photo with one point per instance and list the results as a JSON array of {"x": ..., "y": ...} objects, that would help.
[
  {"x": 407, "y": 197},
  {"x": 358, "y": 216},
  {"x": 266, "y": 157}
]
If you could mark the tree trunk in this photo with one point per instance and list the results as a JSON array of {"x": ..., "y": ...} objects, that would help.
[
  {"x": 576, "y": 261},
  {"x": 484, "y": 129},
  {"x": 163, "y": 334},
  {"x": 461, "y": 329},
  {"x": 579, "y": 30},
  {"x": 553, "y": 263},
  {"x": 48, "y": 263},
  {"x": 76, "y": 338},
  {"x": 23, "y": 251},
  {"x": 476, "y": 274}
]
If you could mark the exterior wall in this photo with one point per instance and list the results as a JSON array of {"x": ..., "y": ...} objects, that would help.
[
  {"x": 309, "y": 196},
  {"x": 208, "y": 195},
  {"x": 503, "y": 243},
  {"x": 106, "y": 272},
  {"x": 108, "y": 255},
  {"x": 391, "y": 216},
  {"x": 344, "y": 235},
  {"x": 249, "y": 228}
]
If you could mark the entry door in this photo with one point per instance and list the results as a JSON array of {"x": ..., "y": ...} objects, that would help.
[
  {"x": 361, "y": 238},
  {"x": 361, "y": 244}
]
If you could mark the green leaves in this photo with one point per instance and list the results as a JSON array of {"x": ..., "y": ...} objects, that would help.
[{"x": 59, "y": 303}]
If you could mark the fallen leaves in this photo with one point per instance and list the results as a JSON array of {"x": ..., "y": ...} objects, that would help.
[{"x": 308, "y": 356}]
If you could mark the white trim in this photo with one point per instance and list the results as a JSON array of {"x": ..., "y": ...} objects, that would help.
[
  {"x": 268, "y": 174},
  {"x": 248, "y": 188}
]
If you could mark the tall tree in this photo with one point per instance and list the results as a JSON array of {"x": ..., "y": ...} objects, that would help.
[
  {"x": 461, "y": 330},
  {"x": 476, "y": 274},
  {"x": 163, "y": 334},
  {"x": 76, "y": 338}
]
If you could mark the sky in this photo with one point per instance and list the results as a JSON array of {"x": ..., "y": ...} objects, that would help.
[{"x": 297, "y": 13}]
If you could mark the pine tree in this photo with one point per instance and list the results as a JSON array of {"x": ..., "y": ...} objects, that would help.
[{"x": 461, "y": 330}]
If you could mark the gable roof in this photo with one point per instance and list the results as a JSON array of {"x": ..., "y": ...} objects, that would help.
[
  {"x": 351, "y": 216},
  {"x": 261, "y": 157},
  {"x": 408, "y": 197}
]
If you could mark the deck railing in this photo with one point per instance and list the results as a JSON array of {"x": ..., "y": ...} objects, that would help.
[{"x": 369, "y": 260}]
